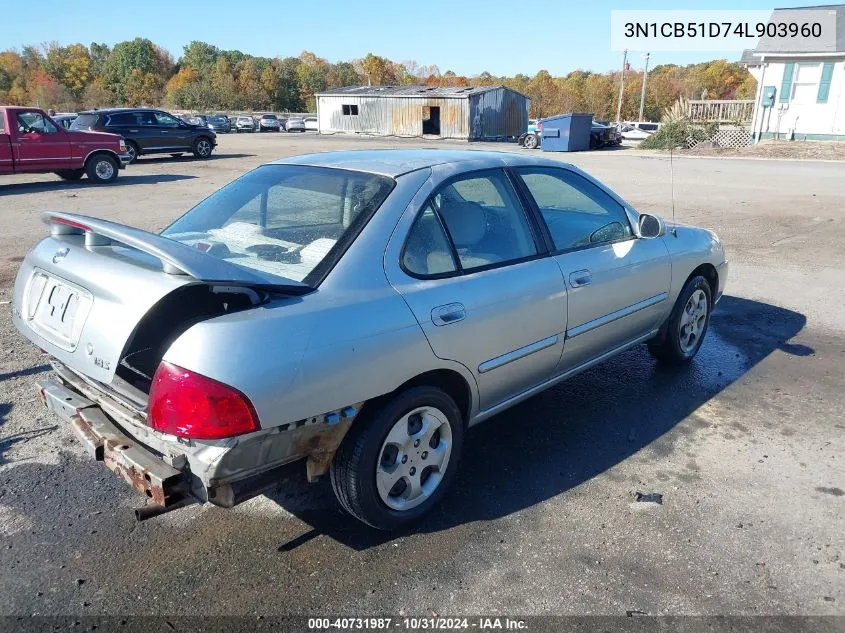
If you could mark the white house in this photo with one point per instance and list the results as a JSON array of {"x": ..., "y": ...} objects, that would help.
[{"x": 808, "y": 87}]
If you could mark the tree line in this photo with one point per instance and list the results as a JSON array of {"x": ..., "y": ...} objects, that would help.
[{"x": 207, "y": 78}]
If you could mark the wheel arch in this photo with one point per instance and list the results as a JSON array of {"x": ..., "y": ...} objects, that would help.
[
  {"x": 709, "y": 272},
  {"x": 450, "y": 381},
  {"x": 97, "y": 152}
]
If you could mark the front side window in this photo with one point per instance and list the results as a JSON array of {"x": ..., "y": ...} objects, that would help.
[
  {"x": 286, "y": 220},
  {"x": 484, "y": 220},
  {"x": 577, "y": 212},
  {"x": 34, "y": 122},
  {"x": 165, "y": 120}
]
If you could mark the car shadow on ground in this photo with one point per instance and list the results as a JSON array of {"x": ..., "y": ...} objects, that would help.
[
  {"x": 563, "y": 437},
  {"x": 185, "y": 158},
  {"x": 124, "y": 179}
]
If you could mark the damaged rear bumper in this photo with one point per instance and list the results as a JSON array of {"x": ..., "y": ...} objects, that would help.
[
  {"x": 172, "y": 472},
  {"x": 165, "y": 486}
]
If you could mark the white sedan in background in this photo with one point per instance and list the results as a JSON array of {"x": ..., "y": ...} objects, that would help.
[
  {"x": 295, "y": 124},
  {"x": 311, "y": 123}
]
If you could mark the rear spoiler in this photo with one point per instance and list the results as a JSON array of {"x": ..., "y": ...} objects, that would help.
[{"x": 176, "y": 258}]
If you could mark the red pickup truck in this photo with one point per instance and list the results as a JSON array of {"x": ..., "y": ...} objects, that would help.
[{"x": 31, "y": 142}]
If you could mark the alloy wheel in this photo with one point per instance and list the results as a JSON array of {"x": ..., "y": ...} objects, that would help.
[
  {"x": 692, "y": 322},
  {"x": 413, "y": 458}
]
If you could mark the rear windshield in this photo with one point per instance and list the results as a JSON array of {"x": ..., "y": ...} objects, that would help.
[
  {"x": 288, "y": 220},
  {"x": 269, "y": 116},
  {"x": 84, "y": 122}
]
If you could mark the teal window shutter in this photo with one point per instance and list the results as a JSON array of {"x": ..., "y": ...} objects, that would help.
[
  {"x": 786, "y": 84},
  {"x": 824, "y": 84}
]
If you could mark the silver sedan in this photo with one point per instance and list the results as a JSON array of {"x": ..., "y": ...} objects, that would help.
[{"x": 352, "y": 313}]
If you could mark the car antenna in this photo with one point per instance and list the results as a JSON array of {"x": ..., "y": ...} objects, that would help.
[{"x": 672, "y": 182}]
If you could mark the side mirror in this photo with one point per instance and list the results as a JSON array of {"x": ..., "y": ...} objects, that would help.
[{"x": 651, "y": 226}]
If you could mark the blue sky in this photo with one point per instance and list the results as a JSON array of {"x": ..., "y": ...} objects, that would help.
[{"x": 468, "y": 36}]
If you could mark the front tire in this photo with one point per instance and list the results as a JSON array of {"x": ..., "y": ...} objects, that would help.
[
  {"x": 398, "y": 460},
  {"x": 133, "y": 151},
  {"x": 202, "y": 147},
  {"x": 530, "y": 142},
  {"x": 687, "y": 325},
  {"x": 102, "y": 169}
]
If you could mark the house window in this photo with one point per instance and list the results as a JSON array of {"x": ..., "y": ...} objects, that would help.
[
  {"x": 350, "y": 109},
  {"x": 805, "y": 85}
]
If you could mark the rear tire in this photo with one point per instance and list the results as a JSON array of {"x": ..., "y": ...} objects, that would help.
[
  {"x": 71, "y": 174},
  {"x": 203, "y": 147},
  {"x": 102, "y": 169},
  {"x": 686, "y": 327},
  {"x": 530, "y": 142},
  {"x": 399, "y": 459}
]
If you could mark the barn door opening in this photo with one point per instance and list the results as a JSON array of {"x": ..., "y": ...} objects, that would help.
[{"x": 431, "y": 120}]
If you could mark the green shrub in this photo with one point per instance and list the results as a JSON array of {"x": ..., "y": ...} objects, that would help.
[{"x": 674, "y": 134}]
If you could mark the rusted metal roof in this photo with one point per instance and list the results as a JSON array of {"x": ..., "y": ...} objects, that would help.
[{"x": 444, "y": 92}]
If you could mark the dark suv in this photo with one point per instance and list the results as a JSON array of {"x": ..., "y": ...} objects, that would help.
[{"x": 148, "y": 131}]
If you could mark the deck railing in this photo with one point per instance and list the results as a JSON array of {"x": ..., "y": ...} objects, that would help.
[{"x": 722, "y": 110}]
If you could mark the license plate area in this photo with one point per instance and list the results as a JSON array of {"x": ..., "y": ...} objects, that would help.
[{"x": 57, "y": 309}]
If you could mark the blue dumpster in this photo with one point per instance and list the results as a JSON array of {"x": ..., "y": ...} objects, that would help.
[{"x": 567, "y": 132}]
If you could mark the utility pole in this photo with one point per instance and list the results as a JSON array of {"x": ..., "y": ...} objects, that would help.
[
  {"x": 645, "y": 79},
  {"x": 621, "y": 87}
]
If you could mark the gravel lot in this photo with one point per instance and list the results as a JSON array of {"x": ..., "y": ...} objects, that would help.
[{"x": 747, "y": 445}]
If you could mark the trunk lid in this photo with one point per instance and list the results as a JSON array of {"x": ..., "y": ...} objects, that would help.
[{"x": 87, "y": 293}]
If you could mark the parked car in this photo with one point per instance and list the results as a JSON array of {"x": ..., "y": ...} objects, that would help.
[
  {"x": 64, "y": 119},
  {"x": 311, "y": 123},
  {"x": 148, "y": 131},
  {"x": 295, "y": 124},
  {"x": 244, "y": 124},
  {"x": 531, "y": 138},
  {"x": 638, "y": 130},
  {"x": 354, "y": 325},
  {"x": 219, "y": 123},
  {"x": 269, "y": 122},
  {"x": 602, "y": 135},
  {"x": 31, "y": 143}
]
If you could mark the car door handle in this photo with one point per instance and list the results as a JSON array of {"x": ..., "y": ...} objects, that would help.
[
  {"x": 134, "y": 131},
  {"x": 580, "y": 278},
  {"x": 450, "y": 313}
]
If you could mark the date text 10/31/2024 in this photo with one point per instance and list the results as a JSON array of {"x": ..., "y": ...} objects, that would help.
[{"x": 418, "y": 624}]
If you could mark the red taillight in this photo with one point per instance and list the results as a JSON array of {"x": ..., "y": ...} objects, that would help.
[
  {"x": 72, "y": 223},
  {"x": 539, "y": 125},
  {"x": 187, "y": 404}
]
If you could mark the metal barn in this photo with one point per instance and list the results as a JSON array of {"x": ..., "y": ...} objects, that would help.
[{"x": 474, "y": 113}]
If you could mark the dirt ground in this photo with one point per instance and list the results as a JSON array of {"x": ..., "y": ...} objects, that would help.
[
  {"x": 746, "y": 445},
  {"x": 802, "y": 150}
]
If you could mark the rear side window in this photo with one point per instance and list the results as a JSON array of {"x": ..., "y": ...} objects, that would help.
[
  {"x": 84, "y": 122},
  {"x": 484, "y": 225},
  {"x": 427, "y": 251},
  {"x": 2, "y": 125}
]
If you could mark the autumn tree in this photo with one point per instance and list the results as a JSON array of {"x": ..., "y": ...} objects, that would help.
[
  {"x": 139, "y": 54},
  {"x": 70, "y": 66},
  {"x": 378, "y": 70}
]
